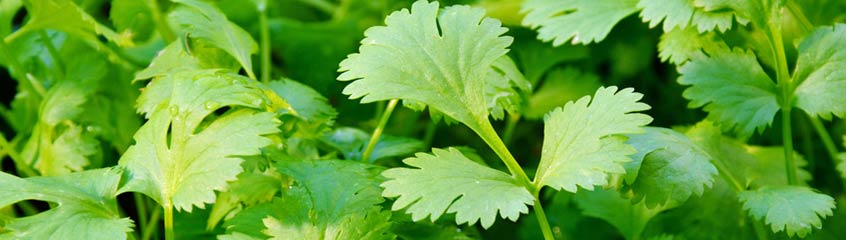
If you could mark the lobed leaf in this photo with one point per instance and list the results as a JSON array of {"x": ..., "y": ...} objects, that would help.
[
  {"x": 66, "y": 16},
  {"x": 581, "y": 143},
  {"x": 733, "y": 87},
  {"x": 684, "y": 13},
  {"x": 679, "y": 45},
  {"x": 576, "y": 21},
  {"x": 439, "y": 59},
  {"x": 85, "y": 206},
  {"x": 447, "y": 181},
  {"x": 668, "y": 168},
  {"x": 184, "y": 152},
  {"x": 607, "y": 204},
  {"x": 820, "y": 73},
  {"x": 793, "y": 209},
  {"x": 199, "y": 19}
]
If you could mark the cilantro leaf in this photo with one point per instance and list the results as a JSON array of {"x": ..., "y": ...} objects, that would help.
[
  {"x": 447, "y": 181},
  {"x": 66, "y": 16},
  {"x": 179, "y": 157},
  {"x": 671, "y": 168},
  {"x": 793, "y": 209},
  {"x": 307, "y": 102},
  {"x": 330, "y": 199},
  {"x": 820, "y": 74},
  {"x": 733, "y": 88},
  {"x": 202, "y": 20},
  {"x": 576, "y": 21},
  {"x": 441, "y": 60},
  {"x": 506, "y": 89},
  {"x": 85, "y": 208},
  {"x": 607, "y": 204},
  {"x": 679, "y": 45},
  {"x": 581, "y": 146},
  {"x": 683, "y": 13},
  {"x": 133, "y": 18}
]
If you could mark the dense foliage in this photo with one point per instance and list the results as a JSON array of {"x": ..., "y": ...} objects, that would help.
[{"x": 385, "y": 119}]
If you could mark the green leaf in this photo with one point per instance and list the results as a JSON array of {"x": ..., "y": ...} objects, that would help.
[
  {"x": 679, "y": 45},
  {"x": 8, "y": 9},
  {"x": 559, "y": 87},
  {"x": 85, "y": 206},
  {"x": 684, "y": 13},
  {"x": 733, "y": 88},
  {"x": 609, "y": 205},
  {"x": 198, "y": 19},
  {"x": 133, "y": 18},
  {"x": 184, "y": 152},
  {"x": 842, "y": 156},
  {"x": 536, "y": 58},
  {"x": 352, "y": 141},
  {"x": 581, "y": 145},
  {"x": 820, "y": 73},
  {"x": 330, "y": 199},
  {"x": 441, "y": 60},
  {"x": 576, "y": 21},
  {"x": 506, "y": 89},
  {"x": 66, "y": 16},
  {"x": 793, "y": 209},
  {"x": 448, "y": 181},
  {"x": 770, "y": 169},
  {"x": 671, "y": 168},
  {"x": 307, "y": 102}
]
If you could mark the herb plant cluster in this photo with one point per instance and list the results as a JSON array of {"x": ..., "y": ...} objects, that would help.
[{"x": 359, "y": 119}]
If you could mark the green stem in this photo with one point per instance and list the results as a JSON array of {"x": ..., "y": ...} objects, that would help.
[
  {"x": 151, "y": 224},
  {"x": 828, "y": 142},
  {"x": 54, "y": 54},
  {"x": 36, "y": 85},
  {"x": 488, "y": 134},
  {"x": 429, "y": 135},
  {"x": 797, "y": 12},
  {"x": 541, "y": 215},
  {"x": 265, "y": 42},
  {"x": 374, "y": 138},
  {"x": 760, "y": 231},
  {"x": 27, "y": 208},
  {"x": 785, "y": 83},
  {"x": 141, "y": 207},
  {"x": 722, "y": 168},
  {"x": 508, "y": 132},
  {"x": 21, "y": 165},
  {"x": 168, "y": 222},
  {"x": 161, "y": 23}
]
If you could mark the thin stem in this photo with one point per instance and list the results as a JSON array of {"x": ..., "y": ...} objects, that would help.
[
  {"x": 541, "y": 215},
  {"x": 374, "y": 138},
  {"x": 54, "y": 54},
  {"x": 800, "y": 16},
  {"x": 21, "y": 165},
  {"x": 785, "y": 83},
  {"x": 828, "y": 142},
  {"x": 508, "y": 132},
  {"x": 141, "y": 207},
  {"x": 726, "y": 174},
  {"x": 151, "y": 224},
  {"x": 168, "y": 222},
  {"x": 760, "y": 231},
  {"x": 265, "y": 42},
  {"x": 161, "y": 23},
  {"x": 429, "y": 135},
  {"x": 27, "y": 208},
  {"x": 36, "y": 85}
]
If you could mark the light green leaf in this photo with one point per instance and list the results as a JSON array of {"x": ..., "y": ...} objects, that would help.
[
  {"x": 607, "y": 204},
  {"x": 330, "y": 199},
  {"x": 66, "y": 16},
  {"x": 684, "y": 13},
  {"x": 184, "y": 152},
  {"x": 793, "y": 209},
  {"x": 85, "y": 208},
  {"x": 198, "y": 19},
  {"x": 733, "y": 88},
  {"x": 679, "y": 45},
  {"x": 671, "y": 168},
  {"x": 506, "y": 89},
  {"x": 559, "y": 87},
  {"x": 441, "y": 60},
  {"x": 307, "y": 102},
  {"x": 581, "y": 145},
  {"x": 447, "y": 181},
  {"x": 770, "y": 169},
  {"x": 820, "y": 74},
  {"x": 576, "y": 21},
  {"x": 133, "y": 18}
]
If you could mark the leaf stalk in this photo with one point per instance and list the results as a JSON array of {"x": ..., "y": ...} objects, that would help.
[{"x": 374, "y": 138}]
